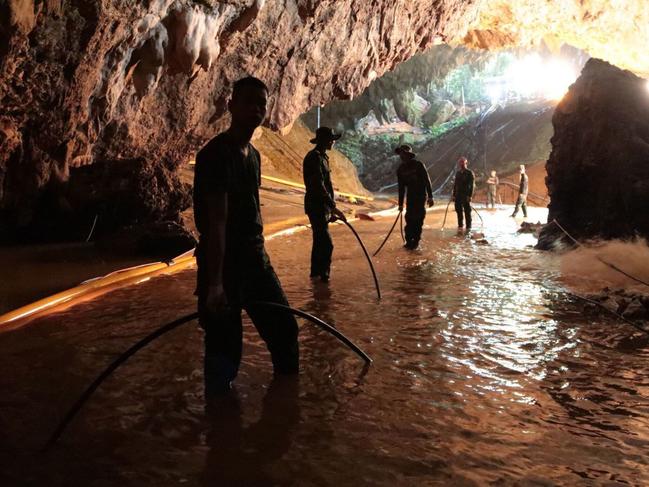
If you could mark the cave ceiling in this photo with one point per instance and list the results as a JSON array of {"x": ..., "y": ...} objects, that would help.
[{"x": 90, "y": 81}]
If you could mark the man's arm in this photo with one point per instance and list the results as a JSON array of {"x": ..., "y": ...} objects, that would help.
[
  {"x": 429, "y": 187},
  {"x": 214, "y": 239},
  {"x": 402, "y": 190},
  {"x": 454, "y": 187},
  {"x": 472, "y": 183}
]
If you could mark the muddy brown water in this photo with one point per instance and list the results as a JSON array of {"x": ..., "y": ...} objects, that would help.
[{"x": 484, "y": 372}]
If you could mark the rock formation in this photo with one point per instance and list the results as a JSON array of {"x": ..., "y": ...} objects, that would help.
[
  {"x": 598, "y": 171},
  {"x": 111, "y": 81}
]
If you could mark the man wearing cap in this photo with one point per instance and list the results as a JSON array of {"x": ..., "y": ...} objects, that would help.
[
  {"x": 523, "y": 187},
  {"x": 413, "y": 179},
  {"x": 319, "y": 203},
  {"x": 463, "y": 188}
]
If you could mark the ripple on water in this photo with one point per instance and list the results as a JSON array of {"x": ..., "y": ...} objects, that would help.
[{"x": 483, "y": 372}]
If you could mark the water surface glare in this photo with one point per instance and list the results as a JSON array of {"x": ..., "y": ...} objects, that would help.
[{"x": 484, "y": 372}]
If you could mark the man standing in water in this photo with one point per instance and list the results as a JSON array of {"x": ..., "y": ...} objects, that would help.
[
  {"x": 233, "y": 267},
  {"x": 523, "y": 187},
  {"x": 492, "y": 189},
  {"x": 413, "y": 178},
  {"x": 463, "y": 188},
  {"x": 319, "y": 203}
]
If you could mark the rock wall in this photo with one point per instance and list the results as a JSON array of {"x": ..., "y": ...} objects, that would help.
[
  {"x": 598, "y": 171},
  {"x": 86, "y": 82}
]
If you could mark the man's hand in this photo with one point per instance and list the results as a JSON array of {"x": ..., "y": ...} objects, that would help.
[
  {"x": 336, "y": 214},
  {"x": 216, "y": 302},
  {"x": 431, "y": 202},
  {"x": 400, "y": 208}
]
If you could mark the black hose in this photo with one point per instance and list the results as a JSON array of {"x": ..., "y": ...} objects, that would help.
[
  {"x": 69, "y": 416},
  {"x": 316, "y": 321},
  {"x": 76, "y": 407},
  {"x": 367, "y": 256},
  {"x": 388, "y": 235}
]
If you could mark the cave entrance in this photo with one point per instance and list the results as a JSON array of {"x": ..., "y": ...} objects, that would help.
[{"x": 495, "y": 108}]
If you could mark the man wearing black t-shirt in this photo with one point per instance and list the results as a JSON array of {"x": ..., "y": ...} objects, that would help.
[
  {"x": 463, "y": 188},
  {"x": 234, "y": 270},
  {"x": 319, "y": 202},
  {"x": 413, "y": 180}
]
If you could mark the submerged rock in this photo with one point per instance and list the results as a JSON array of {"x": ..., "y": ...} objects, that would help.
[{"x": 529, "y": 227}]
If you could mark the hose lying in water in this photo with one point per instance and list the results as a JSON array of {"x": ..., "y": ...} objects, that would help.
[
  {"x": 79, "y": 403},
  {"x": 367, "y": 256},
  {"x": 388, "y": 235},
  {"x": 612, "y": 266}
]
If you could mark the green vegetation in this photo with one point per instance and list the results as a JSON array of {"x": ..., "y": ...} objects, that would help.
[{"x": 360, "y": 148}]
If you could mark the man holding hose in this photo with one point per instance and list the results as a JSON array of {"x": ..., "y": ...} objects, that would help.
[
  {"x": 413, "y": 180},
  {"x": 233, "y": 267}
]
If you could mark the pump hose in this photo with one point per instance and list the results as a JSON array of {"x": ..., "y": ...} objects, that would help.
[
  {"x": 446, "y": 213},
  {"x": 479, "y": 216},
  {"x": 79, "y": 403},
  {"x": 367, "y": 256},
  {"x": 388, "y": 235}
]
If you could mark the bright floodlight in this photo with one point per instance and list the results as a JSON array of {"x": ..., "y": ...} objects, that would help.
[{"x": 534, "y": 77}]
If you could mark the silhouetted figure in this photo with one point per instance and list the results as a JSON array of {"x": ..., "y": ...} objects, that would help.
[
  {"x": 319, "y": 203},
  {"x": 492, "y": 189},
  {"x": 414, "y": 182},
  {"x": 233, "y": 267},
  {"x": 523, "y": 187},
  {"x": 463, "y": 188}
]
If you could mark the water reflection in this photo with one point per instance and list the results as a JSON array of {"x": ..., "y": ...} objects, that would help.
[
  {"x": 484, "y": 372},
  {"x": 241, "y": 455}
]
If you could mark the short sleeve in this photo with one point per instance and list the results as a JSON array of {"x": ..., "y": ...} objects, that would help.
[{"x": 211, "y": 174}]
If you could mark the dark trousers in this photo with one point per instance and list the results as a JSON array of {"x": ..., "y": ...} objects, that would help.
[
  {"x": 522, "y": 203},
  {"x": 415, "y": 215},
  {"x": 224, "y": 334},
  {"x": 491, "y": 196},
  {"x": 323, "y": 246},
  {"x": 463, "y": 210}
]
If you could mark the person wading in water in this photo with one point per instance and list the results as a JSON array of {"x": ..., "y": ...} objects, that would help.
[
  {"x": 492, "y": 189},
  {"x": 413, "y": 179},
  {"x": 523, "y": 187},
  {"x": 463, "y": 188},
  {"x": 319, "y": 203},
  {"x": 233, "y": 267}
]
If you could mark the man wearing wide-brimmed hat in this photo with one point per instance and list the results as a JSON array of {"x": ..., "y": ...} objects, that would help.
[
  {"x": 414, "y": 181},
  {"x": 319, "y": 202}
]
